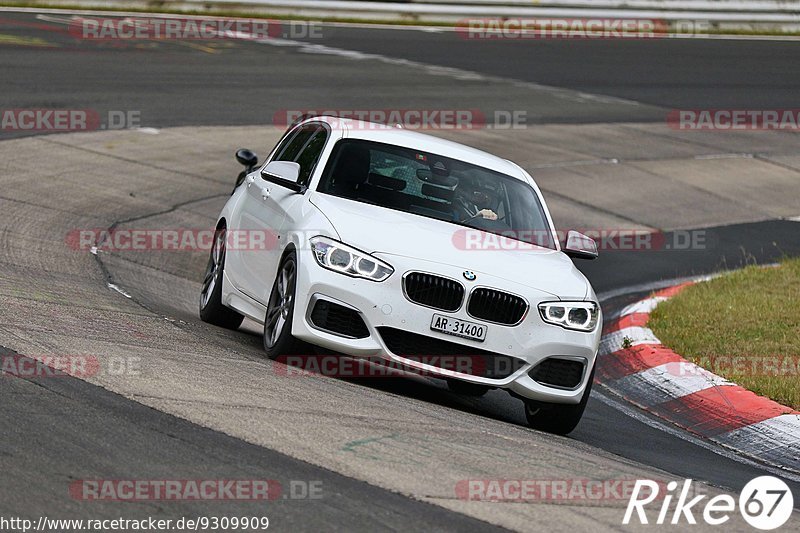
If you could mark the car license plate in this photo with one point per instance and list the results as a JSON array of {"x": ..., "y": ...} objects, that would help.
[{"x": 458, "y": 327}]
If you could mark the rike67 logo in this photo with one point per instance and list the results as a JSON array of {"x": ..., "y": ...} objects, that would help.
[{"x": 765, "y": 503}]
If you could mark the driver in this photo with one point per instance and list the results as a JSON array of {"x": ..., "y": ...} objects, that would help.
[{"x": 472, "y": 201}]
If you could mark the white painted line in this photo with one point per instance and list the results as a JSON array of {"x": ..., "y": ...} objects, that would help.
[
  {"x": 636, "y": 335},
  {"x": 119, "y": 289},
  {"x": 643, "y": 306},
  {"x": 562, "y": 164},
  {"x": 776, "y": 440},
  {"x": 650, "y": 388},
  {"x": 725, "y": 156},
  {"x": 670, "y": 378}
]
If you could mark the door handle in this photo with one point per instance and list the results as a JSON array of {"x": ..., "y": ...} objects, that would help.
[
  {"x": 265, "y": 192},
  {"x": 250, "y": 180}
]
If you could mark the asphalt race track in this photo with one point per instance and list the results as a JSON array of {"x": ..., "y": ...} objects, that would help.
[
  {"x": 233, "y": 82},
  {"x": 388, "y": 453}
]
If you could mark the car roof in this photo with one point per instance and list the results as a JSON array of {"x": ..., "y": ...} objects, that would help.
[{"x": 396, "y": 135}]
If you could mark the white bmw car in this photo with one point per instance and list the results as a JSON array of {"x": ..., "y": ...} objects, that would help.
[{"x": 387, "y": 243}]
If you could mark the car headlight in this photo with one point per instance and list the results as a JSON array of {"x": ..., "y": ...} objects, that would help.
[
  {"x": 581, "y": 316},
  {"x": 344, "y": 259}
]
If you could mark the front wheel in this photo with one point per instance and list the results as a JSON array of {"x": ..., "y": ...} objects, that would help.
[
  {"x": 556, "y": 418},
  {"x": 211, "y": 308},
  {"x": 278, "y": 339}
]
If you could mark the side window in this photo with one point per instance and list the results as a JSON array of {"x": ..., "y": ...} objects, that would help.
[
  {"x": 293, "y": 145},
  {"x": 310, "y": 155},
  {"x": 283, "y": 143},
  {"x": 304, "y": 146}
]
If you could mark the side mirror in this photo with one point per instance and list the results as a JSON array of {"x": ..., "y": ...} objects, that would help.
[
  {"x": 283, "y": 170},
  {"x": 579, "y": 246},
  {"x": 246, "y": 157},
  {"x": 286, "y": 173}
]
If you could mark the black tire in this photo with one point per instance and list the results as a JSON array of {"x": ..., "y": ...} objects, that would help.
[
  {"x": 466, "y": 388},
  {"x": 556, "y": 418},
  {"x": 278, "y": 339},
  {"x": 211, "y": 308}
]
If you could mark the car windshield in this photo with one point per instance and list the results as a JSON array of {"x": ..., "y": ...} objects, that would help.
[{"x": 435, "y": 186}]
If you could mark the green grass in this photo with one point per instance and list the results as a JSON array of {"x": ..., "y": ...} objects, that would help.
[{"x": 744, "y": 326}]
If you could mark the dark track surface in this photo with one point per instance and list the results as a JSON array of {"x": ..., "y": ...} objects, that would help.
[
  {"x": 228, "y": 82},
  {"x": 671, "y": 73},
  {"x": 110, "y": 437},
  {"x": 246, "y": 83},
  {"x": 727, "y": 248}
]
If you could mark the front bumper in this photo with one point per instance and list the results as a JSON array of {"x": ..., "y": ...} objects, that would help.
[{"x": 383, "y": 304}]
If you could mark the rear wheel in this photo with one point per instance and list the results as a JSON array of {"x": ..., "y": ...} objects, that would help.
[
  {"x": 211, "y": 308},
  {"x": 278, "y": 339},
  {"x": 557, "y": 418}
]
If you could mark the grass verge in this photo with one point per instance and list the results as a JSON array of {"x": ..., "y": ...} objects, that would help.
[{"x": 744, "y": 326}]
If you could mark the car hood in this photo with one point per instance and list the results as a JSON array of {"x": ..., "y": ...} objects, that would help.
[{"x": 384, "y": 231}]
